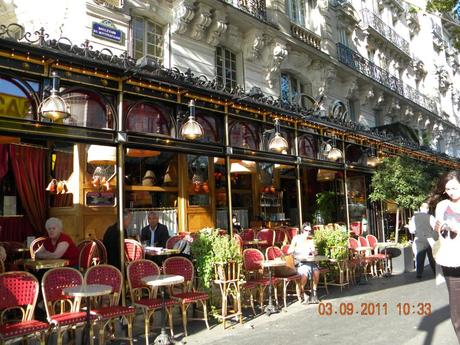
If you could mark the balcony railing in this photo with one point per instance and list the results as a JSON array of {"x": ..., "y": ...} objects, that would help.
[
  {"x": 256, "y": 8},
  {"x": 306, "y": 36},
  {"x": 385, "y": 31},
  {"x": 352, "y": 59}
]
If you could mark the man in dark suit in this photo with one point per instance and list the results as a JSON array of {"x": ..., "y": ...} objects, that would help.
[
  {"x": 111, "y": 240},
  {"x": 156, "y": 234}
]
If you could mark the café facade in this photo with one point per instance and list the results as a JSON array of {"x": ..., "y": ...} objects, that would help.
[{"x": 85, "y": 134}]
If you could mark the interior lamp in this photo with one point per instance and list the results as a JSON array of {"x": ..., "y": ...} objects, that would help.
[
  {"x": 191, "y": 130},
  {"x": 54, "y": 107}
]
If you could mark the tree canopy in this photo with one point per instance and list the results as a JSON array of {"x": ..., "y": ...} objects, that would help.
[{"x": 404, "y": 180}]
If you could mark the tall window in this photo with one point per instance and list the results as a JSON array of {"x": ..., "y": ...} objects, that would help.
[
  {"x": 226, "y": 67},
  {"x": 296, "y": 11},
  {"x": 289, "y": 87},
  {"x": 147, "y": 38},
  {"x": 343, "y": 36}
]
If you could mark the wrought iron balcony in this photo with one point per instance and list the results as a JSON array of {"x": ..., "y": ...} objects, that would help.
[
  {"x": 306, "y": 36},
  {"x": 256, "y": 8},
  {"x": 385, "y": 31},
  {"x": 352, "y": 59}
]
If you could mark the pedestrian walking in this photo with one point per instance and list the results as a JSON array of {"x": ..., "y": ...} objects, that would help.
[
  {"x": 448, "y": 225},
  {"x": 422, "y": 226}
]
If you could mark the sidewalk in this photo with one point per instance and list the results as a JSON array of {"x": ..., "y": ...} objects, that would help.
[{"x": 302, "y": 324}]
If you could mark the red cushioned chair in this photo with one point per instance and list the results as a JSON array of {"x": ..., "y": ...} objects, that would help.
[
  {"x": 86, "y": 253},
  {"x": 285, "y": 249},
  {"x": 173, "y": 240},
  {"x": 133, "y": 251},
  {"x": 188, "y": 295},
  {"x": 280, "y": 236},
  {"x": 108, "y": 312},
  {"x": 266, "y": 235},
  {"x": 19, "y": 290},
  {"x": 247, "y": 234},
  {"x": 100, "y": 256},
  {"x": 252, "y": 259},
  {"x": 274, "y": 252},
  {"x": 63, "y": 311},
  {"x": 144, "y": 297}
]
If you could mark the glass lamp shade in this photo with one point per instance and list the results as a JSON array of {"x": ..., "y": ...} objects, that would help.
[
  {"x": 278, "y": 143},
  {"x": 334, "y": 154},
  {"x": 283, "y": 166},
  {"x": 191, "y": 130},
  {"x": 140, "y": 153},
  {"x": 373, "y": 161},
  {"x": 54, "y": 108},
  {"x": 325, "y": 175},
  {"x": 102, "y": 155},
  {"x": 240, "y": 168}
]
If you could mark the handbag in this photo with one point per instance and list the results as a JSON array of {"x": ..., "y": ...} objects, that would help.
[{"x": 287, "y": 270}]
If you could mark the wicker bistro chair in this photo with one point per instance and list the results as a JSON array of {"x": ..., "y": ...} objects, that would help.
[
  {"x": 35, "y": 245},
  {"x": 19, "y": 290},
  {"x": 107, "y": 313},
  {"x": 274, "y": 252},
  {"x": 280, "y": 236},
  {"x": 61, "y": 318},
  {"x": 100, "y": 256},
  {"x": 182, "y": 266},
  {"x": 383, "y": 259},
  {"x": 135, "y": 272},
  {"x": 252, "y": 259},
  {"x": 267, "y": 235},
  {"x": 173, "y": 240},
  {"x": 133, "y": 251},
  {"x": 373, "y": 259},
  {"x": 87, "y": 250}
]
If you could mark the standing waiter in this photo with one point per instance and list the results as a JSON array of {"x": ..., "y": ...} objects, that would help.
[{"x": 422, "y": 225}]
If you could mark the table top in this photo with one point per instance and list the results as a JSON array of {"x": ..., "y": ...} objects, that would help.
[
  {"x": 313, "y": 258},
  {"x": 163, "y": 280},
  {"x": 385, "y": 244},
  {"x": 90, "y": 290},
  {"x": 154, "y": 252},
  {"x": 44, "y": 263},
  {"x": 255, "y": 241},
  {"x": 363, "y": 248},
  {"x": 273, "y": 263},
  {"x": 21, "y": 249}
]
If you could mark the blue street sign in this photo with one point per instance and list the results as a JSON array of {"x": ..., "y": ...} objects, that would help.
[{"x": 106, "y": 32}]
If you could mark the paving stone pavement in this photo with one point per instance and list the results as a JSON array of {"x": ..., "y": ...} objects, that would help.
[{"x": 303, "y": 324}]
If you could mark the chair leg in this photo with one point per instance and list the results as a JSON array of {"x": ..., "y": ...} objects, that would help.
[
  {"x": 170, "y": 321},
  {"x": 130, "y": 318},
  {"x": 184, "y": 318},
  {"x": 42, "y": 338},
  {"x": 325, "y": 283},
  {"x": 101, "y": 333},
  {"x": 59, "y": 336},
  {"x": 205, "y": 311},
  {"x": 285, "y": 285},
  {"x": 146, "y": 326},
  {"x": 298, "y": 290},
  {"x": 251, "y": 300}
]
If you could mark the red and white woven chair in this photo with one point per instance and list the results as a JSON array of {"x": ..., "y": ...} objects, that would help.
[
  {"x": 19, "y": 290},
  {"x": 266, "y": 235},
  {"x": 133, "y": 251},
  {"x": 271, "y": 254},
  {"x": 252, "y": 259},
  {"x": 87, "y": 249},
  {"x": 62, "y": 311},
  {"x": 188, "y": 295},
  {"x": 144, "y": 297},
  {"x": 111, "y": 310},
  {"x": 35, "y": 245},
  {"x": 173, "y": 240}
]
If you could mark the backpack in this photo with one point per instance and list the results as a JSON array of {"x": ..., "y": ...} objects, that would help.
[{"x": 183, "y": 246}]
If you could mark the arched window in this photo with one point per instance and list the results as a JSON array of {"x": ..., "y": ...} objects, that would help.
[
  {"x": 89, "y": 109},
  {"x": 147, "y": 117},
  {"x": 211, "y": 128},
  {"x": 308, "y": 146},
  {"x": 244, "y": 135},
  {"x": 18, "y": 98}
]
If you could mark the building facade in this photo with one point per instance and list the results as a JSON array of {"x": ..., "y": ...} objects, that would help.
[{"x": 370, "y": 78}]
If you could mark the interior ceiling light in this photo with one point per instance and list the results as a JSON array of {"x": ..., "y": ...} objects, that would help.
[
  {"x": 54, "y": 107},
  {"x": 102, "y": 155},
  {"x": 191, "y": 130}
]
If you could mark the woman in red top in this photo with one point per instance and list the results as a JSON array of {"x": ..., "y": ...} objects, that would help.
[{"x": 58, "y": 245}]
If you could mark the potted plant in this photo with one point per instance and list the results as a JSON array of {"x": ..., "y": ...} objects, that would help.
[{"x": 216, "y": 256}]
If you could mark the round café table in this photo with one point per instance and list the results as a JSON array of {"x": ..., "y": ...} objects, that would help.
[
  {"x": 271, "y": 308},
  {"x": 87, "y": 291},
  {"x": 162, "y": 281},
  {"x": 41, "y": 264}
]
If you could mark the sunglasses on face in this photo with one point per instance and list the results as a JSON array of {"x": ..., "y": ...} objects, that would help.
[{"x": 446, "y": 231}]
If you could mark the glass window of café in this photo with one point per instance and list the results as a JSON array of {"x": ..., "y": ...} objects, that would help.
[
  {"x": 18, "y": 98},
  {"x": 323, "y": 197}
]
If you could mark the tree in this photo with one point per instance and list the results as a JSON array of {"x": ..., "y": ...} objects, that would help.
[
  {"x": 445, "y": 7},
  {"x": 405, "y": 181}
]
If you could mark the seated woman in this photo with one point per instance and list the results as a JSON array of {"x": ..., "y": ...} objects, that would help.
[
  {"x": 58, "y": 245},
  {"x": 303, "y": 246}
]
